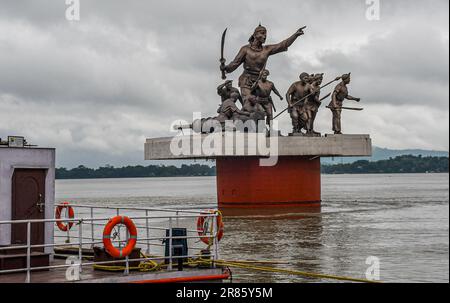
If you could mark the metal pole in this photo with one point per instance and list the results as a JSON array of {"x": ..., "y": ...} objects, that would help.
[
  {"x": 28, "y": 278},
  {"x": 92, "y": 226},
  {"x": 170, "y": 244},
  {"x": 68, "y": 227},
  {"x": 80, "y": 241},
  {"x": 127, "y": 265},
  {"x": 147, "y": 232},
  {"x": 118, "y": 228},
  {"x": 215, "y": 233}
]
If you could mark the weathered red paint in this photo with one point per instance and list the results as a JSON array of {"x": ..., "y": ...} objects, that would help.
[{"x": 293, "y": 182}]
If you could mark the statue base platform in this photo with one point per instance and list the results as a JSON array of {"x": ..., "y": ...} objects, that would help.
[
  {"x": 243, "y": 185},
  {"x": 297, "y": 135},
  {"x": 246, "y": 187},
  {"x": 305, "y": 135}
]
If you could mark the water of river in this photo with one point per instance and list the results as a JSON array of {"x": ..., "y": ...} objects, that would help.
[{"x": 403, "y": 220}]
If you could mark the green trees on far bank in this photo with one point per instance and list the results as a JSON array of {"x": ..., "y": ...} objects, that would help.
[
  {"x": 397, "y": 165},
  {"x": 82, "y": 172},
  {"x": 401, "y": 164}
]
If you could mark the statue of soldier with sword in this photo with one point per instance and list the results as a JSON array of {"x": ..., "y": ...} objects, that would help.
[{"x": 253, "y": 57}]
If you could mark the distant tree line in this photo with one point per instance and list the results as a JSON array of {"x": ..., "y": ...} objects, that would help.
[
  {"x": 401, "y": 164},
  {"x": 82, "y": 172}
]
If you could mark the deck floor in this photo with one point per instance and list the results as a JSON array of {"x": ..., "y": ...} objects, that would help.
[{"x": 89, "y": 275}]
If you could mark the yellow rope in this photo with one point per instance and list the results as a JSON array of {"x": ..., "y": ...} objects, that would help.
[
  {"x": 146, "y": 266},
  {"x": 151, "y": 265},
  {"x": 294, "y": 272},
  {"x": 256, "y": 262}
]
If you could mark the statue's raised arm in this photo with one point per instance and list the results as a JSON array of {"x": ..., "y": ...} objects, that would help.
[
  {"x": 254, "y": 57},
  {"x": 284, "y": 45}
]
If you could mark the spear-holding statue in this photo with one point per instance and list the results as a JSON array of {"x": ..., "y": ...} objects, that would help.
[
  {"x": 340, "y": 93},
  {"x": 304, "y": 98},
  {"x": 296, "y": 95},
  {"x": 313, "y": 103},
  {"x": 254, "y": 57}
]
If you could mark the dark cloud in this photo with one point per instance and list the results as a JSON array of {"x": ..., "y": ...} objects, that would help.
[{"x": 97, "y": 88}]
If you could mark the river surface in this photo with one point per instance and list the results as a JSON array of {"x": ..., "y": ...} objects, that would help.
[{"x": 401, "y": 219}]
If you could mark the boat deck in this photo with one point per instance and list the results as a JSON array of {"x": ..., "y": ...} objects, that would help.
[
  {"x": 171, "y": 236},
  {"x": 89, "y": 275}
]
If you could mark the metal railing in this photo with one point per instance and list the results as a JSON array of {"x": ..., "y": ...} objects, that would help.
[{"x": 93, "y": 224}]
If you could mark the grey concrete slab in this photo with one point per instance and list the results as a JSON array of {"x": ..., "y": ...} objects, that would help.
[{"x": 211, "y": 146}]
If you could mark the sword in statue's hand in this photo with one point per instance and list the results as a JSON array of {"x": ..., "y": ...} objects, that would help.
[{"x": 222, "y": 58}]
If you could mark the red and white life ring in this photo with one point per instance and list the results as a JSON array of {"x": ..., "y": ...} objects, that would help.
[
  {"x": 70, "y": 213},
  {"x": 131, "y": 243},
  {"x": 203, "y": 227}
]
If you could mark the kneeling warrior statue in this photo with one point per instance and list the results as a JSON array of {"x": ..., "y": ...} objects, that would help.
[
  {"x": 229, "y": 110},
  {"x": 224, "y": 91}
]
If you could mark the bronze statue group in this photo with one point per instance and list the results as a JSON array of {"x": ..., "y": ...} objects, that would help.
[{"x": 303, "y": 97}]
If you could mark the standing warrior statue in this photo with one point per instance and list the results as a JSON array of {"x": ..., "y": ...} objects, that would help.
[
  {"x": 262, "y": 90},
  {"x": 254, "y": 57},
  {"x": 340, "y": 93},
  {"x": 313, "y": 103},
  {"x": 298, "y": 91}
]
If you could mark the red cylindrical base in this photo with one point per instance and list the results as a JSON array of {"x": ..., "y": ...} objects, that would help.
[{"x": 243, "y": 186}]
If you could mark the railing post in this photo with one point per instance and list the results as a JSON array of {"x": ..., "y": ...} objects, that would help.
[
  {"x": 80, "y": 242},
  {"x": 147, "y": 232},
  {"x": 127, "y": 264},
  {"x": 28, "y": 278},
  {"x": 68, "y": 222},
  {"x": 92, "y": 227},
  {"x": 118, "y": 228},
  {"x": 170, "y": 244},
  {"x": 215, "y": 233}
]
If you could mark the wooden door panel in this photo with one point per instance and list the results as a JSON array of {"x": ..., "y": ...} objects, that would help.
[{"x": 28, "y": 190}]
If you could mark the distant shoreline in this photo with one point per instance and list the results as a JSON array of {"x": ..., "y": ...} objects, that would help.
[
  {"x": 323, "y": 174},
  {"x": 398, "y": 165}
]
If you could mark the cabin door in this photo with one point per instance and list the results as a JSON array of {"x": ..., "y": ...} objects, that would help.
[{"x": 28, "y": 202}]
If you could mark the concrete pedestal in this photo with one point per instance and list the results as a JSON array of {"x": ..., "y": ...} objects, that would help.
[
  {"x": 292, "y": 182},
  {"x": 244, "y": 186}
]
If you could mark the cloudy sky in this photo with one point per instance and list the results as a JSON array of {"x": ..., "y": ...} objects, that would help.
[{"x": 96, "y": 88}]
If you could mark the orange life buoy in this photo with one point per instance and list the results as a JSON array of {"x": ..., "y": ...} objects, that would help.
[
  {"x": 131, "y": 243},
  {"x": 203, "y": 228},
  {"x": 70, "y": 213}
]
